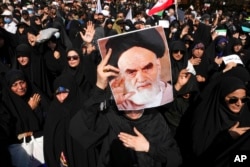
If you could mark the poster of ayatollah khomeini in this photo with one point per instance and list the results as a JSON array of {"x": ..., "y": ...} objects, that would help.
[{"x": 142, "y": 57}]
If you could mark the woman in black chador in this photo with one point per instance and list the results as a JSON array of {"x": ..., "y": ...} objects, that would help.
[
  {"x": 60, "y": 148},
  {"x": 220, "y": 124},
  {"x": 125, "y": 138}
]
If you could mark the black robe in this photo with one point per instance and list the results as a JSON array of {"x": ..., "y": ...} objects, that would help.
[
  {"x": 209, "y": 143},
  {"x": 93, "y": 128},
  {"x": 22, "y": 117},
  {"x": 56, "y": 130},
  {"x": 84, "y": 73}
]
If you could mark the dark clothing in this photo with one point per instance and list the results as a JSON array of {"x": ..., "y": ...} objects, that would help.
[
  {"x": 203, "y": 34},
  {"x": 54, "y": 67},
  {"x": 22, "y": 117},
  {"x": 208, "y": 140},
  {"x": 56, "y": 130},
  {"x": 178, "y": 65},
  {"x": 102, "y": 127},
  {"x": 84, "y": 73},
  {"x": 4, "y": 136}
]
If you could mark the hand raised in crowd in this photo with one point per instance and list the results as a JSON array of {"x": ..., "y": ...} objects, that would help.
[
  {"x": 57, "y": 54},
  {"x": 137, "y": 143},
  {"x": 184, "y": 31},
  {"x": 34, "y": 101},
  {"x": 235, "y": 131},
  {"x": 89, "y": 32},
  {"x": 195, "y": 61},
  {"x": 183, "y": 78},
  {"x": 105, "y": 71},
  {"x": 118, "y": 88},
  {"x": 214, "y": 35}
]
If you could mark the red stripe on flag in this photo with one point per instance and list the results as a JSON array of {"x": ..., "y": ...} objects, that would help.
[{"x": 159, "y": 6}]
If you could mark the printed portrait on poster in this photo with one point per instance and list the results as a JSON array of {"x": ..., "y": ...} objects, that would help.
[{"x": 144, "y": 79}]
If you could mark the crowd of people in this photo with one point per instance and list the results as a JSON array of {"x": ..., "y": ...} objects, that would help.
[{"x": 55, "y": 85}]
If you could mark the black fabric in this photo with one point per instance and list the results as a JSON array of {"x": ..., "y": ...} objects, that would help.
[
  {"x": 36, "y": 70},
  {"x": 23, "y": 118},
  {"x": 54, "y": 67},
  {"x": 177, "y": 109},
  {"x": 102, "y": 127},
  {"x": 56, "y": 130},
  {"x": 23, "y": 50},
  {"x": 84, "y": 73},
  {"x": 34, "y": 25},
  {"x": 177, "y": 66},
  {"x": 7, "y": 56},
  {"x": 4, "y": 135},
  {"x": 203, "y": 34},
  {"x": 211, "y": 120}
]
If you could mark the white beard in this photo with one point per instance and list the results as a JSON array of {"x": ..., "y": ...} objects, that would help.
[{"x": 144, "y": 96}]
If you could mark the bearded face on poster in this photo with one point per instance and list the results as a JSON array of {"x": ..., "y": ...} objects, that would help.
[{"x": 142, "y": 82}]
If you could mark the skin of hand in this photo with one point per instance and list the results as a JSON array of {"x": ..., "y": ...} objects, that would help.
[
  {"x": 89, "y": 32},
  {"x": 214, "y": 35},
  {"x": 218, "y": 60},
  {"x": 138, "y": 143},
  {"x": 183, "y": 78},
  {"x": 34, "y": 101},
  {"x": 195, "y": 61},
  {"x": 104, "y": 72},
  {"x": 229, "y": 66},
  {"x": 200, "y": 78},
  {"x": 235, "y": 131},
  {"x": 63, "y": 159},
  {"x": 236, "y": 35},
  {"x": 118, "y": 88},
  {"x": 184, "y": 32},
  {"x": 56, "y": 54}
]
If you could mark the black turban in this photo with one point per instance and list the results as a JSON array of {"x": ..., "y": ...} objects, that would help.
[{"x": 147, "y": 38}]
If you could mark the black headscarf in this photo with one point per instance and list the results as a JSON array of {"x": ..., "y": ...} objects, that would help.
[
  {"x": 84, "y": 73},
  {"x": 24, "y": 119},
  {"x": 177, "y": 66},
  {"x": 56, "y": 136},
  {"x": 212, "y": 116},
  {"x": 34, "y": 25}
]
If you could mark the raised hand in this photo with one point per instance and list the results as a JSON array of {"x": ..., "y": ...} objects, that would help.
[
  {"x": 89, "y": 32},
  {"x": 183, "y": 78},
  {"x": 104, "y": 71}
]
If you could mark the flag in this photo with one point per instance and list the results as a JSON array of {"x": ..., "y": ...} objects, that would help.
[
  {"x": 98, "y": 7},
  {"x": 129, "y": 15},
  {"x": 159, "y": 6}
]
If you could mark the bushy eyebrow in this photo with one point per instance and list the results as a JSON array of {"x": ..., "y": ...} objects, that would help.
[{"x": 147, "y": 66}]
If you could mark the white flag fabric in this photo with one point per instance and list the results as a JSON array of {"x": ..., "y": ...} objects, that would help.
[
  {"x": 98, "y": 7},
  {"x": 129, "y": 15}
]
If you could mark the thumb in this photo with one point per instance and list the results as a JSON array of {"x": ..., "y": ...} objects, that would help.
[
  {"x": 137, "y": 132},
  {"x": 236, "y": 124}
]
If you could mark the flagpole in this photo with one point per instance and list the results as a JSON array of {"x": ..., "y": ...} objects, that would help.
[{"x": 176, "y": 9}]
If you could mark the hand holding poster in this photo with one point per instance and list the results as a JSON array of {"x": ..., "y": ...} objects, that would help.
[{"x": 143, "y": 80}]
